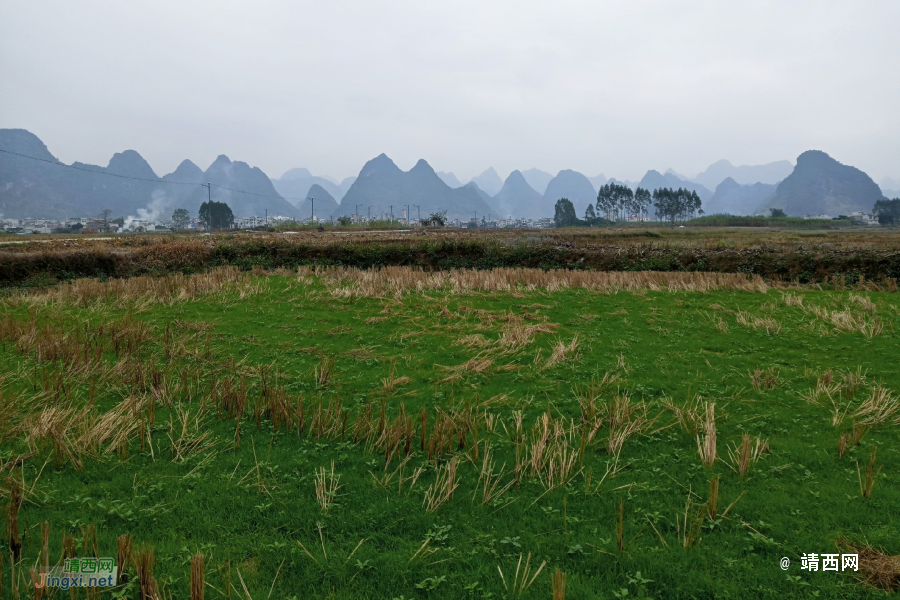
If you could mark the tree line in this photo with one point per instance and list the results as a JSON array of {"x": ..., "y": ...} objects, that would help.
[
  {"x": 618, "y": 202},
  {"x": 887, "y": 211}
]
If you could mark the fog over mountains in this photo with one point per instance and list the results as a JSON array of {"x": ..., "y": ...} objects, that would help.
[
  {"x": 128, "y": 186},
  {"x": 489, "y": 182},
  {"x": 295, "y": 184},
  {"x": 719, "y": 171}
]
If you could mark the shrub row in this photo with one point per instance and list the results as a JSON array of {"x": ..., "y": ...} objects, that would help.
[{"x": 46, "y": 267}]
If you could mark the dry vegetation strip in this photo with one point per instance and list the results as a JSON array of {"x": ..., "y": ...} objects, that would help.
[{"x": 397, "y": 281}]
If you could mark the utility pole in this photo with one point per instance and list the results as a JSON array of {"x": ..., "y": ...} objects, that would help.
[
  {"x": 476, "y": 219},
  {"x": 408, "y": 214},
  {"x": 369, "y": 218},
  {"x": 312, "y": 215},
  {"x": 392, "y": 212},
  {"x": 267, "y": 218}
]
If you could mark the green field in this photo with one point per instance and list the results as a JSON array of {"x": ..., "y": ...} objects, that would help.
[{"x": 393, "y": 434}]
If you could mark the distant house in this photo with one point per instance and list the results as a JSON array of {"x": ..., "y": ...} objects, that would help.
[{"x": 861, "y": 218}]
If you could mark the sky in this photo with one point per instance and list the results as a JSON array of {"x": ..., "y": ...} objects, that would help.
[{"x": 600, "y": 87}]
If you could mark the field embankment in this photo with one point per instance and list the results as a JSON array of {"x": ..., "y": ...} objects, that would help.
[{"x": 803, "y": 256}]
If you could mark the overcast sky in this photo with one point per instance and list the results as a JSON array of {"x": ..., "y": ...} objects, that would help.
[{"x": 611, "y": 87}]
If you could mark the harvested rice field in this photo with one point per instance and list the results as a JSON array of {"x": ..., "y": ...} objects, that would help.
[{"x": 400, "y": 434}]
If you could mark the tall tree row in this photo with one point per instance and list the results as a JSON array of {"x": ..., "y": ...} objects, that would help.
[
  {"x": 618, "y": 202},
  {"x": 676, "y": 205}
]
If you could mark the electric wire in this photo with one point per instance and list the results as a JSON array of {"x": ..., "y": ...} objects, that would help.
[{"x": 164, "y": 181}]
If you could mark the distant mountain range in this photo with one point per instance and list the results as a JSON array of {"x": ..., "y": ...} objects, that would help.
[
  {"x": 294, "y": 185},
  {"x": 128, "y": 186},
  {"x": 518, "y": 198},
  {"x": 718, "y": 172},
  {"x": 653, "y": 180},
  {"x": 450, "y": 179},
  {"x": 317, "y": 202},
  {"x": 537, "y": 179},
  {"x": 382, "y": 188},
  {"x": 572, "y": 185},
  {"x": 489, "y": 182},
  {"x": 30, "y": 188},
  {"x": 732, "y": 198}
]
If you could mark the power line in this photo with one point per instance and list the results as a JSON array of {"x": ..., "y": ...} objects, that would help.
[
  {"x": 221, "y": 187},
  {"x": 56, "y": 162}
]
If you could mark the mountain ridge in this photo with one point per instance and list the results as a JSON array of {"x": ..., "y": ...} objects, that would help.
[
  {"x": 383, "y": 187},
  {"x": 819, "y": 184}
]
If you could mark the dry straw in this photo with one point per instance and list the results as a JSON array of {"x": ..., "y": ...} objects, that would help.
[
  {"x": 707, "y": 446},
  {"x": 146, "y": 291},
  {"x": 876, "y": 568},
  {"x": 522, "y": 579},
  {"x": 396, "y": 281}
]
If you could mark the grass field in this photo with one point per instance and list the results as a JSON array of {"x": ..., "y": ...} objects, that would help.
[{"x": 496, "y": 434}]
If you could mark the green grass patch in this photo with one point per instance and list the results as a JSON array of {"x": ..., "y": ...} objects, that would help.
[{"x": 485, "y": 369}]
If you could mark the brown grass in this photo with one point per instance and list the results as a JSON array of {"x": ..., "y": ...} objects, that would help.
[
  {"x": 124, "y": 544},
  {"x": 441, "y": 491},
  {"x": 625, "y": 418},
  {"x": 743, "y": 456},
  {"x": 843, "y": 444},
  {"x": 558, "y": 585},
  {"x": 144, "y": 560},
  {"x": 689, "y": 524},
  {"x": 397, "y": 281},
  {"x": 688, "y": 415},
  {"x": 323, "y": 370},
  {"x": 712, "y": 505},
  {"x": 845, "y": 321},
  {"x": 764, "y": 379},
  {"x": 197, "y": 590},
  {"x": 138, "y": 292},
  {"x": 876, "y": 567},
  {"x": 881, "y": 407},
  {"x": 707, "y": 446},
  {"x": 522, "y": 579},
  {"x": 867, "y": 485},
  {"x": 769, "y": 324},
  {"x": 561, "y": 352},
  {"x": 327, "y": 484}
]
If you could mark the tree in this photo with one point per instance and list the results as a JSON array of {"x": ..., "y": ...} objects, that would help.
[
  {"x": 888, "y": 211},
  {"x": 216, "y": 215},
  {"x": 642, "y": 200},
  {"x": 624, "y": 199},
  {"x": 564, "y": 215},
  {"x": 604, "y": 200},
  {"x": 345, "y": 220},
  {"x": 589, "y": 214},
  {"x": 436, "y": 219},
  {"x": 181, "y": 219},
  {"x": 776, "y": 213},
  {"x": 663, "y": 201}
]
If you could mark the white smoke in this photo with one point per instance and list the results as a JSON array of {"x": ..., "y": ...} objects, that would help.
[{"x": 154, "y": 210}]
